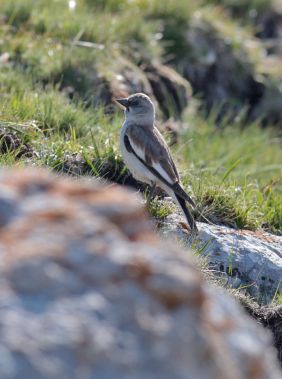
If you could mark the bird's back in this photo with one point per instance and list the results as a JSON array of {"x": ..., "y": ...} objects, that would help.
[{"x": 156, "y": 151}]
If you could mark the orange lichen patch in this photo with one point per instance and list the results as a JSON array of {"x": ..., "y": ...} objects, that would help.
[
  {"x": 53, "y": 215},
  {"x": 25, "y": 250},
  {"x": 142, "y": 235},
  {"x": 115, "y": 196},
  {"x": 257, "y": 234},
  {"x": 24, "y": 178},
  {"x": 187, "y": 289},
  {"x": 37, "y": 180},
  {"x": 37, "y": 235},
  {"x": 139, "y": 269},
  {"x": 216, "y": 320},
  {"x": 98, "y": 247},
  {"x": 93, "y": 191},
  {"x": 67, "y": 208},
  {"x": 184, "y": 227},
  {"x": 172, "y": 300},
  {"x": 69, "y": 186},
  {"x": 260, "y": 234},
  {"x": 255, "y": 368},
  {"x": 219, "y": 350},
  {"x": 225, "y": 324}
]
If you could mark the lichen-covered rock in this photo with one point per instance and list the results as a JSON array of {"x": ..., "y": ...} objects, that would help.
[
  {"x": 88, "y": 291},
  {"x": 246, "y": 258}
]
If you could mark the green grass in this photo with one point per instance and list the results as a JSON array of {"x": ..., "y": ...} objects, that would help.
[
  {"x": 233, "y": 172},
  {"x": 56, "y": 127},
  {"x": 159, "y": 209}
]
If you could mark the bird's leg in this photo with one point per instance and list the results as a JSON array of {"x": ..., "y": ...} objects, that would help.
[{"x": 151, "y": 193}]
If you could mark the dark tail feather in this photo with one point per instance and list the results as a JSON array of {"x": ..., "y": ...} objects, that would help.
[
  {"x": 189, "y": 217},
  {"x": 180, "y": 192}
]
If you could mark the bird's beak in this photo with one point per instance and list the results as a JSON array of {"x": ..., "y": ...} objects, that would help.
[{"x": 123, "y": 102}]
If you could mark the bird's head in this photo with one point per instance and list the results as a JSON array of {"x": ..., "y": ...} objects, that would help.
[{"x": 138, "y": 108}]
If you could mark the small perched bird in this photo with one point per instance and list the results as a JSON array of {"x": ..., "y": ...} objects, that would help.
[{"x": 146, "y": 153}]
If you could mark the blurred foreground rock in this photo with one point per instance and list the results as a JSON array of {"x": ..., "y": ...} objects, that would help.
[
  {"x": 88, "y": 291},
  {"x": 243, "y": 257}
]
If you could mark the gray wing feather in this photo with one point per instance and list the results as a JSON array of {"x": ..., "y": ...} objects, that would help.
[{"x": 156, "y": 150}]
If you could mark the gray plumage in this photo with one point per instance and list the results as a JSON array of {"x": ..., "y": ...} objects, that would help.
[{"x": 146, "y": 153}]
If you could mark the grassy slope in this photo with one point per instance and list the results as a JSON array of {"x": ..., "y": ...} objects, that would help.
[{"x": 234, "y": 173}]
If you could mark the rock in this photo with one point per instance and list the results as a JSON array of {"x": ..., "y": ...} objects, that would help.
[
  {"x": 10, "y": 142},
  {"x": 269, "y": 109},
  {"x": 128, "y": 79},
  {"x": 269, "y": 26},
  {"x": 248, "y": 259},
  {"x": 89, "y": 83},
  {"x": 83, "y": 80},
  {"x": 170, "y": 89},
  {"x": 87, "y": 290},
  {"x": 221, "y": 75}
]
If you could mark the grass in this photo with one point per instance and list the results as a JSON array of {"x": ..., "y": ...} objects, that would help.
[
  {"x": 158, "y": 209},
  {"x": 51, "y": 91},
  {"x": 236, "y": 173}
]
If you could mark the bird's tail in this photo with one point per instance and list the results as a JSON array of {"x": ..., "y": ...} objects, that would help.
[{"x": 187, "y": 213}]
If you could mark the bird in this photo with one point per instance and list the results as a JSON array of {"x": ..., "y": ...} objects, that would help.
[{"x": 147, "y": 155}]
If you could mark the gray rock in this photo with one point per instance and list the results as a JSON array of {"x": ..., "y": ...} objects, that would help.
[
  {"x": 248, "y": 259},
  {"x": 87, "y": 291}
]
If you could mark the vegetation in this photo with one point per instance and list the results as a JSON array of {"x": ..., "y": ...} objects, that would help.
[{"x": 52, "y": 113}]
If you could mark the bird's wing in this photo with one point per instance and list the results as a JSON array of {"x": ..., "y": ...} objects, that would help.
[{"x": 149, "y": 147}]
